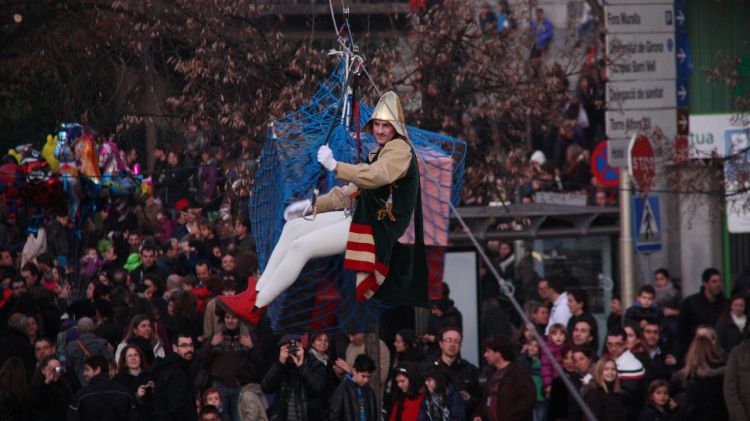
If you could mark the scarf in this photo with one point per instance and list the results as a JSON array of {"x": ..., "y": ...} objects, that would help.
[
  {"x": 435, "y": 408},
  {"x": 666, "y": 295},
  {"x": 741, "y": 321},
  {"x": 321, "y": 357}
]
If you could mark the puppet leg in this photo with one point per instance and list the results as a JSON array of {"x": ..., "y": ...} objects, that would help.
[
  {"x": 327, "y": 240},
  {"x": 293, "y": 230}
]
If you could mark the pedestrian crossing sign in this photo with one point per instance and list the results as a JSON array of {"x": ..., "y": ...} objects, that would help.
[{"x": 647, "y": 231}]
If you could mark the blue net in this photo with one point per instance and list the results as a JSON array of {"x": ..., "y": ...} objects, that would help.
[{"x": 323, "y": 297}]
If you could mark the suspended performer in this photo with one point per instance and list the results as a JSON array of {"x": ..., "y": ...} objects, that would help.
[{"x": 385, "y": 194}]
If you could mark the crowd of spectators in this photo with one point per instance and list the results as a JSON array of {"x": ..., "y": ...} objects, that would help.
[{"x": 667, "y": 357}]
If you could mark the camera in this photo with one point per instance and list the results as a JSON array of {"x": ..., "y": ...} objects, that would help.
[
  {"x": 59, "y": 370},
  {"x": 293, "y": 347}
]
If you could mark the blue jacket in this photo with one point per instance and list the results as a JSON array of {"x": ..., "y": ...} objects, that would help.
[{"x": 543, "y": 34}]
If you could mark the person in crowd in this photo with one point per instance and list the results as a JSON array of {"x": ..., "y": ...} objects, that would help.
[
  {"x": 462, "y": 375},
  {"x": 212, "y": 398},
  {"x": 223, "y": 355},
  {"x": 13, "y": 389},
  {"x": 509, "y": 393},
  {"x": 538, "y": 314},
  {"x": 43, "y": 347},
  {"x": 443, "y": 314},
  {"x": 602, "y": 393},
  {"x": 631, "y": 373},
  {"x": 133, "y": 373},
  {"x": 556, "y": 295},
  {"x": 209, "y": 413},
  {"x": 561, "y": 404},
  {"x": 86, "y": 346},
  {"x": 581, "y": 335},
  {"x": 737, "y": 382},
  {"x": 354, "y": 399},
  {"x": 530, "y": 359},
  {"x": 542, "y": 30},
  {"x": 174, "y": 393},
  {"x": 252, "y": 404},
  {"x": 16, "y": 344},
  {"x": 407, "y": 401},
  {"x": 441, "y": 400},
  {"x": 317, "y": 407},
  {"x": 660, "y": 406},
  {"x": 578, "y": 305},
  {"x": 487, "y": 19},
  {"x": 668, "y": 299},
  {"x": 644, "y": 307},
  {"x": 293, "y": 379},
  {"x": 584, "y": 360},
  {"x": 615, "y": 313},
  {"x": 700, "y": 382},
  {"x": 557, "y": 342},
  {"x": 703, "y": 307},
  {"x": 101, "y": 398},
  {"x": 732, "y": 327},
  {"x": 663, "y": 364},
  {"x": 50, "y": 393},
  {"x": 141, "y": 334},
  {"x": 407, "y": 349},
  {"x": 357, "y": 347}
]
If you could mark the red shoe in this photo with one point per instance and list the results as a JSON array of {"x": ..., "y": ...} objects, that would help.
[{"x": 243, "y": 305}]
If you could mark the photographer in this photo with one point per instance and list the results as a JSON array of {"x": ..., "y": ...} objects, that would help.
[
  {"x": 133, "y": 373},
  {"x": 294, "y": 379},
  {"x": 50, "y": 393},
  {"x": 224, "y": 355}
]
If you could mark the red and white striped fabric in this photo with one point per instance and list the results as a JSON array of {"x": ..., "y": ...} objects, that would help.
[{"x": 360, "y": 257}]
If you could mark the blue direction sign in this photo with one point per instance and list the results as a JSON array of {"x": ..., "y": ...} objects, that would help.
[
  {"x": 647, "y": 228},
  {"x": 680, "y": 16},
  {"x": 682, "y": 93}
]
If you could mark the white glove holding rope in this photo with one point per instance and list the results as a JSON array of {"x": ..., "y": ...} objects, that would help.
[
  {"x": 325, "y": 158},
  {"x": 297, "y": 209}
]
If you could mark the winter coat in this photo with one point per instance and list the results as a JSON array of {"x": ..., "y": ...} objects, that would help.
[
  {"x": 562, "y": 405},
  {"x": 652, "y": 413},
  {"x": 636, "y": 313},
  {"x": 10, "y": 409},
  {"x": 604, "y": 405},
  {"x": 225, "y": 359},
  {"x": 76, "y": 355},
  {"x": 697, "y": 310},
  {"x": 57, "y": 238},
  {"x": 454, "y": 404},
  {"x": 345, "y": 404},
  {"x": 317, "y": 408},
  {"x": 293, "y": 385},
  {"x": 102, "y": 400},
  {"x": 548, "y": 372},
  {"x": 462, "y": 375},
  {"x": 174, "y": 394},
  {"x": 514, "y": 395},
  {"x": 16, "y": 344},
  {"x": 701, "y": 394},
  {"x": 737, "y": 382},
  {"x": 632, "y": 380},
  {"x": 49, "y": 402},
  {"x": 145, "y": 405},
  {"x": 252, "y": 404},
  {"x": 729, "y": 334},
  {"x": 410, "y": 410}
]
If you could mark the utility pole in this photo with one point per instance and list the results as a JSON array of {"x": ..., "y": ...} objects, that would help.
[{"x": 626, "y": 240}]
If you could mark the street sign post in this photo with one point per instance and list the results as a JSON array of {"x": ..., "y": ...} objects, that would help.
[
  {"x": 647, "y": 232},
  {"x": 642, "y": 163},
  {"x": 644, "y": 18},
  {"x": 623, "y": 124},
  {"x": 641, "y": 56}
]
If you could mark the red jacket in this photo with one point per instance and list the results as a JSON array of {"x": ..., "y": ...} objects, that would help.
[{"x": 411, "y": 409}]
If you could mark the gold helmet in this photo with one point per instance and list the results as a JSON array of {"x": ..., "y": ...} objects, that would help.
[{"x": 389, "y": 109}]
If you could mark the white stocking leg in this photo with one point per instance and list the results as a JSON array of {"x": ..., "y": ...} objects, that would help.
[{"x": 301, "y": 241}]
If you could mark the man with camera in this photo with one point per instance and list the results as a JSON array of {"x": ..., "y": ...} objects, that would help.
[
  {"x": 224, "y": 355},
  {"x": 294, "y": 379}
]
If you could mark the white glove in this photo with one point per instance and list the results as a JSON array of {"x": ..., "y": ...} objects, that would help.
[
  {"x": 297, "y": 209},
  {"x": 325, "y": 157}
]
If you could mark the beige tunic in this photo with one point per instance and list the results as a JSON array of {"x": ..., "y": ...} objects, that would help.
[{"x": 393, "y": 162}]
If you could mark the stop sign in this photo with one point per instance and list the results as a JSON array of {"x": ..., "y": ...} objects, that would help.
[{"x": 642, "y": 163}]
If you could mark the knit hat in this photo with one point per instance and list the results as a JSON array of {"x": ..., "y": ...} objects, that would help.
[{"x": 133, "y": 263}]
